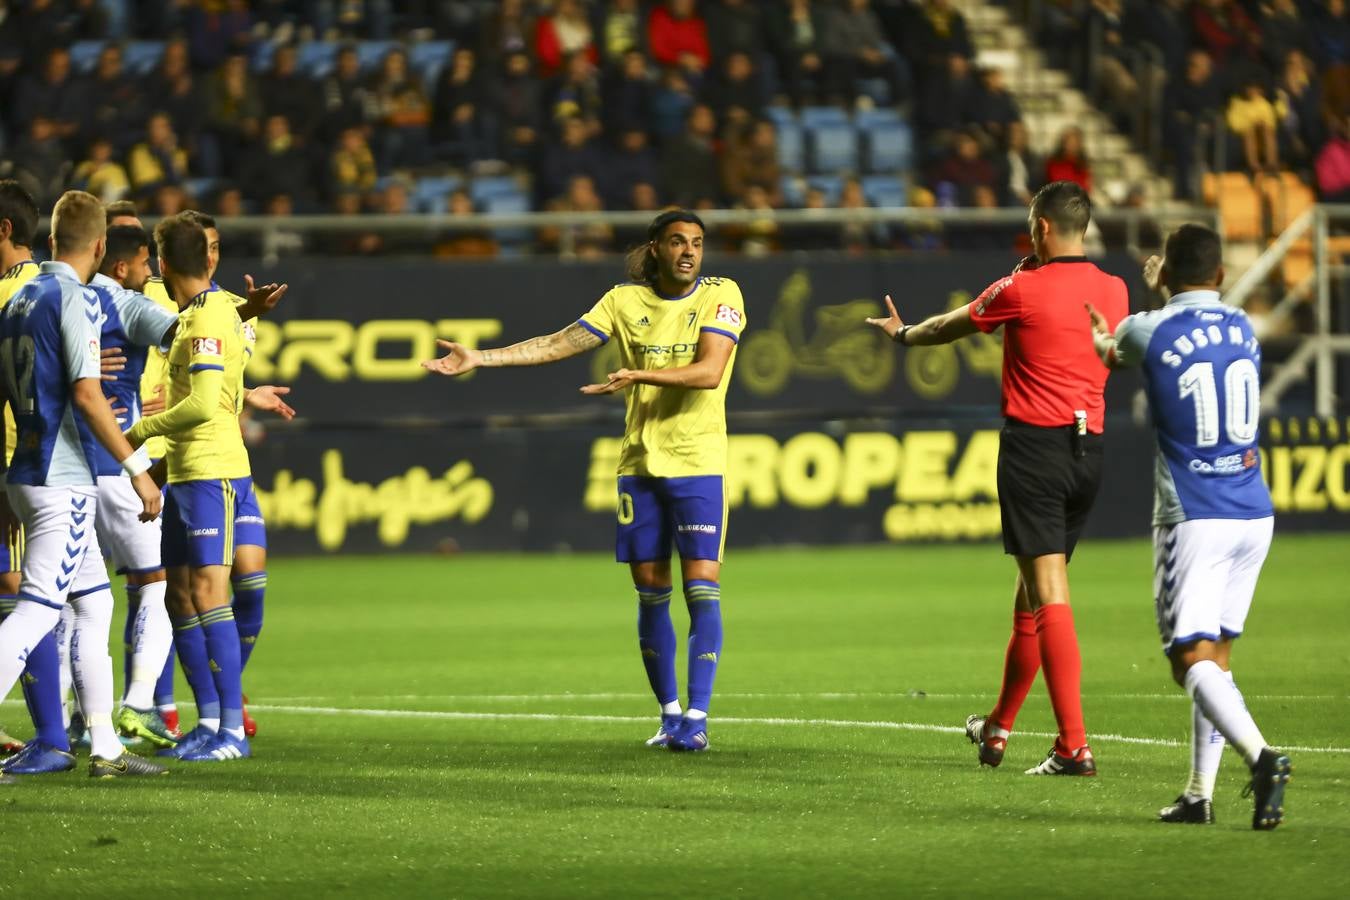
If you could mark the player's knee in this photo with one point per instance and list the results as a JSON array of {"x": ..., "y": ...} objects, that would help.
[{"x": 1185, "y": 656}]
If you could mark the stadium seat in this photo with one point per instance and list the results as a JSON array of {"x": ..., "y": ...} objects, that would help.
[
  {"x": 890, "y": 147},
  {"x": 1288, "y": 197},
  {"x": 881, "y": 115},
  {"x": 200, "y": 189},
  {"x": 263, "y": 53},
  {"x": 1239, "y": 205},
  {"x": 505, "y": 204},
  {"x": 791, "y": 147},
  {"x": 884, "y": 190},
  {"x": 84, "y": 54},
  {"x": 878, "y": 90},
  {"x": 834, "y": 148},
  {"x": 780, "y": 116},
  {"x": 432, "y": 194},
  {"x": 815, "y": 116},
  {"x": 428, "y": 58},
  {"x": 317, "y": 58},
  {"x": 831, "y": 184},
  {"x": 140, "y": 57},
  {"x": 489, "y": 187},
  {"x": 793, "y": 189},
  {"x": 372, "y": 53}
]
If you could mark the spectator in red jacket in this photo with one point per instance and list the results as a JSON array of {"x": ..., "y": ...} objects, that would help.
[
  {"x": 1069, "y": 161},
  {"x": 678, "y": 36},
  {"x": 561, "y": 34},
  {"x": 1224, "y": 29}
]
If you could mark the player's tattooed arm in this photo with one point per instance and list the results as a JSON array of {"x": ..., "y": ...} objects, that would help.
[
  {"x": 536, "y": 351},
  {"x": 940, "y": 329}
]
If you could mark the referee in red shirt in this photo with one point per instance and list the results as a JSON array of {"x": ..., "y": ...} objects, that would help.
[{"x": 1050, "y": 454}]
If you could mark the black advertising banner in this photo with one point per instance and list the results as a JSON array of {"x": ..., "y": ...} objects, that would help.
[{"x": 350, "y": 335}]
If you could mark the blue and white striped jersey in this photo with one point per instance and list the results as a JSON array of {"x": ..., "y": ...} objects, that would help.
[
  {"x": 49, "y": 339},
  {"x": 1202, "y": 371},
  {"x": 135, "y": 323}
]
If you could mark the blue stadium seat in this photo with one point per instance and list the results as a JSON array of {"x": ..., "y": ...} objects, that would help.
[
  {"x": 372, "y": 53},
  {"x": 489, "y": 187},
  {"x": 200, "y": 189},
  {"x": 793, "y": 189},
  {"x": 432, "y": 194},
  {"x": 880, "y": 115},
  {"x": 884, "y": 190},
  {"x": 815, "y": 116},
  {"x": 317, "y": 58},
  {"x": 505, "y": 204},
  {"x": 263, "y": 52},
  {"x": 781, "y": 116},
  {"x": 832, "y": 185},
  {"x": 834, "y": 148},
  {"x": 428, "y": 58},
  {"x": 791, "y": 147},
  {"x": 140, "y": 57},
  {"x": 890, "y": 147},
  {"x": 84, "y": 54}
]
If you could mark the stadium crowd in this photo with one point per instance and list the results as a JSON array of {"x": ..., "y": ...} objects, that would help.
[{"x": 311, "y": 106}]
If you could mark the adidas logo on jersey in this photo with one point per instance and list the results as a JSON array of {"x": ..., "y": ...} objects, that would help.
[{"x": 643, "y": 322}]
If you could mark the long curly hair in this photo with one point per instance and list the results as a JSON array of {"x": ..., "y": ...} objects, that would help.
[{"x": 640, "y": 265}]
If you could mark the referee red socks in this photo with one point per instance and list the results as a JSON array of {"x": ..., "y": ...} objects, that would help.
[
  {"x": 1019, "y": 671},
  {"x": 1063, "y": 674}
]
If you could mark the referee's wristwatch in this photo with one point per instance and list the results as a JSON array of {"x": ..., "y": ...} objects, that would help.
[{"x": 900, "y": 335}]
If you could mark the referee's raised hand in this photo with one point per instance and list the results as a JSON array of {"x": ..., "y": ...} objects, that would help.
[{"x": 889, "y": 325}]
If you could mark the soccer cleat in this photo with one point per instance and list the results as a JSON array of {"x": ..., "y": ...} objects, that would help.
[
  {"x": 1188, "y": 811},
  {"x": 991, "y": 750},
  {"x": 8, "y": 743},
  {"x": 189, "y": 742},
  {"x": 144, "y": 724},
  {"x": 690, "y": 736},
  {"x": 76, "y": 732},
  {"x": 38, "y": 758},
  {"x": 220, "y": 748},
  {"x": 124, "y": 766},
  {"x": 1081, "y": 763},
  {"x": 250, "y": 726},
  {"x": 669, "y": 725},
  {"x": 1269, "y": 776}
]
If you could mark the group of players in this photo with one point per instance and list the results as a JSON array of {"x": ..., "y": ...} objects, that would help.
[
  {"x": 116, "y": 383},
  {"x": 1065, "y": 326}
]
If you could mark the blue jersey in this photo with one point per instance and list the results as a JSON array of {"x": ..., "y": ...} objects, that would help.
[
  {"x": 135, "y": 323},
  {"x": 1202, "y": 372},
  {"x": 49, "y": 339}
]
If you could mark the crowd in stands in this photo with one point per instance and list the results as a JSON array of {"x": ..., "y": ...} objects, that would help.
[
  {"x": 350, "y": 106},
  {"x": 1260, "y": 85}
]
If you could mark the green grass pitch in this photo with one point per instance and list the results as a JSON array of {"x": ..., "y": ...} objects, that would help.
[{"x": 472, "y": 727}]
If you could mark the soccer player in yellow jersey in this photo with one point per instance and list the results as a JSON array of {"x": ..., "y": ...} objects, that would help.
[
  {"x": 18, "y": 224},
  {"x": 677, "y": 334},
  {"x": 208, "y": 471}
]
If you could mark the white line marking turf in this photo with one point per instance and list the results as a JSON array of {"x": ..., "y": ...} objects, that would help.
[
  {"x": 916, "y": 694},
  {"x": 451, "y": 715}
]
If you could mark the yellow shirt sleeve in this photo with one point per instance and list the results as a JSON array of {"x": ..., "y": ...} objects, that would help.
[
  {"x": 724, "y": 311},
  {"x": 600, "y": 320}
]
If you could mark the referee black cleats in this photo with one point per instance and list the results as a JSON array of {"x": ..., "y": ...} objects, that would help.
[
  {"x": 991, "y": 750},
  {"x": 1269, "y": 776},
  {"x": 1081, "y": 764},
  {"x": 1188, "y": 811}
]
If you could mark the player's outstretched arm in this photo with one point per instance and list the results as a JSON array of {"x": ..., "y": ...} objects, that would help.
[
  {"x": 940, "y": 329},
  {"x": 205, "y": 386},
  {"x": 267, "y": 397},
  {"x": 704, "y": 373},
  {"x": 262, "y": 299},
  {"x": 1104, "y": 340},
  {"x": 87, "y": 396},
  {"x": 536, "y": 351}
]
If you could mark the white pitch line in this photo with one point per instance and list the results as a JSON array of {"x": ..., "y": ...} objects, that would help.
[
  {"x": 785, "y": 695},
  {"x": 451, "y": 715}
]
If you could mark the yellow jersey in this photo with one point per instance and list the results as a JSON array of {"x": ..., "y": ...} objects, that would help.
[
  {"x": 10, "y": 282},
  {"x": 156, "y": 372},
  {"x": 209, "y": 339},
  {"x": 671, "y": 432}
]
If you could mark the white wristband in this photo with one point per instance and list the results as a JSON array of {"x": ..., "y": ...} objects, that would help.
[{"x": 135, "y": 464}]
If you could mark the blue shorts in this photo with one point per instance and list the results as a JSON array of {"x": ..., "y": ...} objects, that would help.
[
  {"x": 11, "y": 554},
  {"x": 654, "y": 512},
  {"x": 199, "y": 519},
  {"x": 249, "y": 527}
]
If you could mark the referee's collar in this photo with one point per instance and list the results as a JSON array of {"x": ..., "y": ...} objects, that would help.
[
  {"x": 1206, "y": 298},
  {"x": 1068, "y": 259}
]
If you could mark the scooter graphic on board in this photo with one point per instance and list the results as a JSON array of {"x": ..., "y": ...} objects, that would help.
[{"x": 933, "y": 371}]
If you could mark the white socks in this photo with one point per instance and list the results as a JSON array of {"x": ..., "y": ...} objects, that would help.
[
  {"x": 20, "y": 633},
  {"x": 93, "y": 670},
  {"x": 695, "y": 714},
  {"x": 151, "y": 640},
  {"x": 64, "y": 630},
  {"x": 1206, "y": 753},
  {"x": 670, "y": 709},
  {"x": 1219, "y": 700}
]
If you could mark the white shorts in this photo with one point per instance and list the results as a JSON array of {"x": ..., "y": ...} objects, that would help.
[
  {"x": 61, "y": 557},
  {"x": 132, "y": 545},
  {"x": 1204, "y": 575}
]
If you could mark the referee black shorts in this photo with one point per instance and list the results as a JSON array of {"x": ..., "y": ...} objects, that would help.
[{"x": 1045, "y": 490}]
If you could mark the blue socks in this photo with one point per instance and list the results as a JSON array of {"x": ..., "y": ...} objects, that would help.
[
  {"x": 222, "y": 646},
  {"x": 42, "y": 690},
  {"x": 189, "y": 639},
  {"x": 164, "y": 687},
  {"x": 248, "y": 611},
  {"x": 129, "y": 633},
  {"x": 705, "y": 639},
  {"x": 656, "y": 640}
]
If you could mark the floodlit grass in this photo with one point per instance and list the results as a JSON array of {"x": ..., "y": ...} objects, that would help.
[{"x": 472, "y": 726}]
